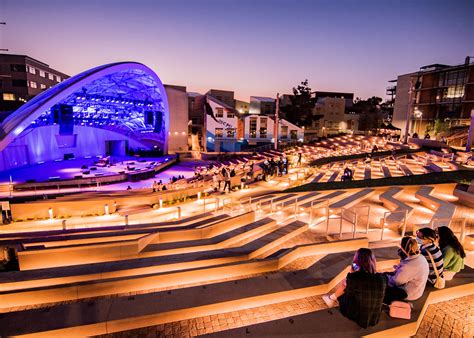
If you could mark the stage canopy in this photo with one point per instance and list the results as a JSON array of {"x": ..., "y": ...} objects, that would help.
[{"x": 127, "y": 98}]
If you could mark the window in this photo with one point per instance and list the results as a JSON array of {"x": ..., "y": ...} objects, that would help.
[
  {"x": 8, "y": 97},
  {"x": 284, "y": 132},
  {"x": 294, "y": 134},
  {"x": 32, "y": 70},
  {"x": 230, "y": 115},
  {"x": 253, "y": 128},
  {"x": 58, "y": 78},
  {"x": 43, "y": 86},
  {"x": 42, "y": 73},
  {"x": 33, "y": 84},
  {"x": 219, "y": 132},
  {"x": 230, "y": 132},
  {"x": 219, "y": 112},
  {"x": 263, "y": 127},
  {"x": 18, "y": 68},
  {"x": 19, "y": 83},
  {"x": 50, "y": 76}
]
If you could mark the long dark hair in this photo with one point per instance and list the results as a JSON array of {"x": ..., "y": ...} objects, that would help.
[
  {"x": 447, "y": 237},
  {"x": 365, "y": 259}
]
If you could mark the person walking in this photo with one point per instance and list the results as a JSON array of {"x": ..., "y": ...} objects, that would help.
[{"x": 226, "y": 174}]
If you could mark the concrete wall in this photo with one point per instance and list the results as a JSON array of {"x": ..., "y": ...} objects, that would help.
[
  {"x": 401, "y": 105},
  {"x": 179, "y": 118}
]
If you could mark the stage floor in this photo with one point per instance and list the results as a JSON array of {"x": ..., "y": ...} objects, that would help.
[{"x": 71, "y": 168}]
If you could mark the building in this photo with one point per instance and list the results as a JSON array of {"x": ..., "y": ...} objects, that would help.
[
  {"x": 224, "y": 126},
  {"x": 442, "y": 99},
  {"x": 259, "y": 130},
  {"x": 196, "y": 126},
  {"x": 22, "y": 78},
  {"x": 178, "y": 125},
  {"x": 242, "y": 107},
  {"x": 225, "y": 96},
  {"x": 113, "y": 109},
  {"x": 260, "y": 105},
  {"x": 333, "y": 115}
]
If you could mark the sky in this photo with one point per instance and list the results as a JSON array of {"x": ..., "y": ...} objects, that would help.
[{"x": 253, "y": 47}]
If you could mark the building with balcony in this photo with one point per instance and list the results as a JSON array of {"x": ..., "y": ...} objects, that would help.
[
  {"x": 260, "y": 105},
  {"x": 440, "y": 102},
  {"x": 333, "y": 115},
  {"x": 22, "y": 78}
]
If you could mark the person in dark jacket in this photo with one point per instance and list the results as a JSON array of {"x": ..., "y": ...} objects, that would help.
[{"x": 360, "y": 296}]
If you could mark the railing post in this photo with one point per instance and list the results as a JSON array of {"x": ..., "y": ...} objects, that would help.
[
  {"x": 178, "y": 209},
  {"x": 64, "y": 224},
  {"x": 404, "y": 223},
  {"x": 340, "y": 223},
  {"x": 383, "y": 225},
  {"x": 355, "y": 226},
  {"x": 463, "y": 231},
  {"x": 367, "y": 223},
  {"x": 126, "y": 220}
]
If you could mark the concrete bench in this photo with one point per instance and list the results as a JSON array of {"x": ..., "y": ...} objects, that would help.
[
  {"x": 101, "y": 252},
  {"x": 353, "y": 199},
  {"x": 400, "y": 210},
  {"x": 331, "y": 197},
  {"x": 432, "y": 168},
  {"x": 386, "y": 171},
  {"x": 175, "y": 265},
  {"x": 331, "y": 323},
  {"x": 367, "y": 173},
  {"x": 317, "y": 279},
  {"x": 405, "y": 170},
  {"x": 333, "y": 177},
  {"x": 444, "y": 211},
  {"x": 465, "y": 194},
  {"x": 318, "y": 177}
]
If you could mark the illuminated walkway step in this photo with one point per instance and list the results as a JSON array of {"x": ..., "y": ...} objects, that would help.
[{"x": 125, "y": 313}]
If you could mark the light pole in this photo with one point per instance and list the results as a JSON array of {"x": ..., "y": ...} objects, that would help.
[
  {"x": 409, "y": 110},
  {"x": 471, "y": 131},
  {"x": 3, "y": 49},
  {"x": 275, "y": 127}
]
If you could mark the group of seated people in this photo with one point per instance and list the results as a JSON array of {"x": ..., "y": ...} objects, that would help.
[{"x": 422, "y": 259}]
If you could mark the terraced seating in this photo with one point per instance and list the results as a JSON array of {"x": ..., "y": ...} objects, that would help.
[
  {"x": 123, "y": 249},
  {"x": 179, "y": 263},
  {"x": 331, "y": 197},
  {"x": 333, "y": 176},
  {"x": 353, "y": 199},
  {"x": 444, "y": 211},
  {"x": 149, "y": 309},
  {"x": 400, "y": 211},
  {"x": 318, "y": 177},
  {"x": 405, "y": 170},
  {"x": 331, "y": 323}
]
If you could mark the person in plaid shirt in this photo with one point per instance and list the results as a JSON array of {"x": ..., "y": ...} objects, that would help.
[
  {"x": 360, "y": 295},
  {"x": 428, "y": 238}
]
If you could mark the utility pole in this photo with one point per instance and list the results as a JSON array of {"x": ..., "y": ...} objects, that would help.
[
  {"x": 409, "y": 110},
  {"x": 471, "y": 130},
  {"x": 3, "y": 49},
  {"x": 275, "y": 128}
]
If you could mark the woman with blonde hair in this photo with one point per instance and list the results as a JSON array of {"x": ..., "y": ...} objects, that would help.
[
  {"x": 360, "y": 295},
  {"x": 408, "y": 281}
]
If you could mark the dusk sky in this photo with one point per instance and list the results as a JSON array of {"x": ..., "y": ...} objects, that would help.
[{"x": 254, "y": 47}]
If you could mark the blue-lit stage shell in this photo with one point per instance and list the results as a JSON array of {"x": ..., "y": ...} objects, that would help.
[{"x": 118, "y": 102}]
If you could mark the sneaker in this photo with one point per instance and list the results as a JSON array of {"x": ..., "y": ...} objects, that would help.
[{"x": 329, "y": 301}]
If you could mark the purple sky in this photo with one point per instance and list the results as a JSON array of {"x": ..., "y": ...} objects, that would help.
[{"x": 254, "y": 47}]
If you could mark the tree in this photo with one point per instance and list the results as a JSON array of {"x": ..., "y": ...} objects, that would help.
[
  {"x": 371, "y": 114},
  {"x": 300, "y": 109}
]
